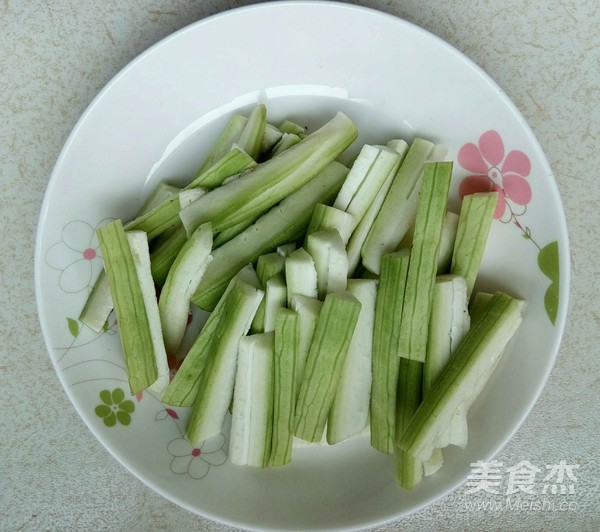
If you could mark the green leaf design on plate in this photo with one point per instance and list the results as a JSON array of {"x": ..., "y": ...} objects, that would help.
[
  {"x": 73, "y": 327},
  {"x": 548, "y": 263},
  {"x": 110, "y": 420},
  {"x": 118, "y": 395},
  {"x": 103, "y": 411},
  {"x": 106, "y": 397},
  {"x": 114, "y": 408},
  {"x": 124, "y": 417},
  {"x": 127, "y": 406}
]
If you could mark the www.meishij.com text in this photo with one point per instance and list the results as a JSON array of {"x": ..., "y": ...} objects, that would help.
[{"x": 516, "y": 504}]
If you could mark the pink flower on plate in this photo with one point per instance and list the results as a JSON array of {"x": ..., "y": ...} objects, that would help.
[
  {"x": 493, "y": 171},
  {"x": 197, "y": 460},
  {"x": 76, "y": 256}
]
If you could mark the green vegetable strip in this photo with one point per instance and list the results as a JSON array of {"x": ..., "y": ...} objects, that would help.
[
  {"x": 326, "y": 217},
  {"x": 226, "y": 140},
  {"x": 136, "y": 338},
  {"x": 231, "y": 232},
  {"x": 409, "y": 470},
  {"x": 385, "y": 365},
  {"x": 447, "y": 242},
  {"x": 273, "y": 180},
  {"x": 478, "y": 303},
  {"x": 158, "y": 220},
  {"x": 287, "y": 141},
  {"x": 396, "y": 213},
  {"x": 285, "y": 250},
  {"x": 286, "y": 353},
  {"x": 233, "y": 162},
  {"x": 166, "y": 215},
  {"x": 251, "y": 138},
  {"x": 287, "y": 126},
  {"x": 216, "y": 384},
  {"x": 422, "y": 269},
  {"x": 466, "y": 372},
  {"x": 168, "y": 244},
  {"x": 165, "y": 250},
  {"x": 162, "y": 192},
  {"x": 282, "y": 224},
  {"x": 270, "y": 139},
  {"x": 185, "y": 385},
  {"x": 308, "y": 309},
  {"x": 476, "y": 215},
  {"x": 267, "y": 266},
  {"x": 328, "y": 350}
]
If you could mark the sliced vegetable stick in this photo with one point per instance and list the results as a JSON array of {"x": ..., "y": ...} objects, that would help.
[
  {"x": 252, "y": 412},
  {"x": 324, "y": 364},
  {"x": 422, "y": 268},
  {"x": 128, "y": 298},
  {"x": 287, "y": 343}
]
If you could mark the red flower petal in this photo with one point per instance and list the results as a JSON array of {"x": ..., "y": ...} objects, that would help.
[
  {"x": 516, "y": 162},
  {"x": 474, "y": 183},
  {"x": 492, "y": 147},
  {"x": 469, "y": 157},
  {"x": 517, "y": 188},
  {"x": 172, "y": 413},
  {"x": 481, "y": 183},
  {"x": 139, "y": 395},
  {"x": 501, "y": 205}
]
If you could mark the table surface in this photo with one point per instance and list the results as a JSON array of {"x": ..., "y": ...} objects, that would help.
[{"x": 57, "y": 55}]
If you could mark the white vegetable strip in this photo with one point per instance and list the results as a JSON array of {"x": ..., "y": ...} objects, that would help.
[
  {"x": 182, "y": 281},
  {"x": 326, "y": 218},
  {"x": 138, "y": 242},
  {"x": 349, "y": 413},
  {"x": 331, "y": 262},
  {"x": 360, "y": 234},
  {"x": 399, "y": 206},
  {"x": 300, "y": 275},
  {"x": 251, "y": 418}
]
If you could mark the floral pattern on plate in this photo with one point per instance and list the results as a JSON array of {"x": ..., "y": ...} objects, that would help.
[
  {"x": 76, "y": 256},
  {"x": 506, "y": 173}
]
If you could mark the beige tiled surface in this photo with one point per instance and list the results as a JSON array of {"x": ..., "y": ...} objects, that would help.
[{"x": 56, "y": 55}]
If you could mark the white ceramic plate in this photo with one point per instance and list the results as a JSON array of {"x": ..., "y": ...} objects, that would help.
[{"x": 305, "y": 60}]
